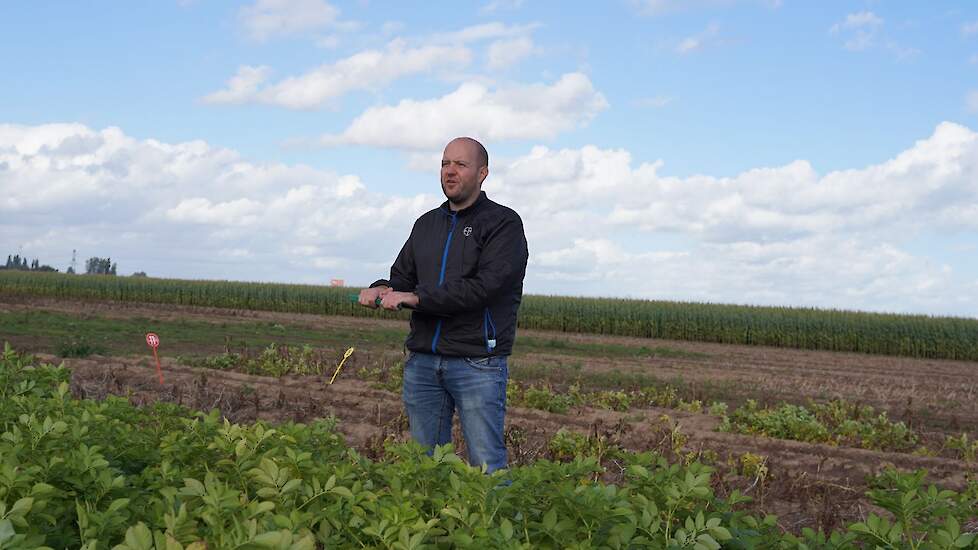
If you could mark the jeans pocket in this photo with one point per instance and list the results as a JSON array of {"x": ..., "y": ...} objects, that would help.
[{"x": 483, "y": 363}]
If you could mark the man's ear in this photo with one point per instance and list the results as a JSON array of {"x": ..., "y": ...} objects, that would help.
[{"x": 483, "y": 174}]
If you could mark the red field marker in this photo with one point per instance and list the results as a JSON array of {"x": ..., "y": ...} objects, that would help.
[{"x": 153, "y": 341}]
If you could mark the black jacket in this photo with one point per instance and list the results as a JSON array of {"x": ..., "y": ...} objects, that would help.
[{"x": 467, "y": 268}]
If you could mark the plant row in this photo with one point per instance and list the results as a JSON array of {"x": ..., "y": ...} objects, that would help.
[
  {"x": 273, "y": 360},
  {"x": 86, "y": 474},
  {"x": 889, "y": 334},
  {"x": 836, "y": 422}
]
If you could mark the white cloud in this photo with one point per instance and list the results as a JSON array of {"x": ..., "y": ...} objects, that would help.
[
  {"x": 483, "y": 31},
  {"x": 598, "y": 221},
  {"x": 235, "y": 252},
  {"x": 241, "y": 212},
  {"x": 536, "y": 111},
  {"x": 666, "y": 7},
  {"x": 328, "y": 42},
  {"x": 699, "y": 40},
  {"x": 863, "y": 31},
  {"x": 822, "y": 272},
  {"x": 364, "y": 71},
  {"x": 902, "y": 53},
  {"x": 688, "y": 44},
  {"x": 269, "y": 18},
  {"x": 969, "y": 28},
  {"x": 506, "y": 53},
  {"x": 189, "y": 209},
  {"x": 372, "y": 70},
  {"x": 500, "y": 5},
  {"x": 424, "y": 161},
  {"x": 241, "y": 87},
  {"x": 782, "y": 235},
  {"x": 858, "y": 20},
  {"x": 859, "y": 29}
]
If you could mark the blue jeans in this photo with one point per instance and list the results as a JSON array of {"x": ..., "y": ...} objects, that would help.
[{"x": 434, "y": 385}]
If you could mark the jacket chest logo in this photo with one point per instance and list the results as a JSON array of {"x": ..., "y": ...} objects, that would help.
[{"x": 467, "y": 231}]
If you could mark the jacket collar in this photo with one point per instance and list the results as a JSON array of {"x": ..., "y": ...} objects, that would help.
[{"x": 471, "y": 208}]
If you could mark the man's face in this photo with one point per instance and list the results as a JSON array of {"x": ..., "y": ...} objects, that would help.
[{"x": 461, "y": 175}]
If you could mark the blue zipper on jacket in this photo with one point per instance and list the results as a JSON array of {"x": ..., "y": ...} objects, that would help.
[
  {"x": 441, "y": 277},
  {"x": 488, "y": 325}
]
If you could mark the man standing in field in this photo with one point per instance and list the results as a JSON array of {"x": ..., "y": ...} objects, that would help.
[{"x": 461, "y": 270}]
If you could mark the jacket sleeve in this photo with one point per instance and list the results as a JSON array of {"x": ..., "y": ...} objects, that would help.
[
  {"x": 502, "y": 264},
  {"x": 404, "y": 273}
]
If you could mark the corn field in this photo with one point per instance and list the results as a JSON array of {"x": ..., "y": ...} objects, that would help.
[{"x": 888, "y": 334}]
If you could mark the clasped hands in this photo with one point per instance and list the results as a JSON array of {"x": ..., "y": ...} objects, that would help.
[{"x": 390, "y": 299}]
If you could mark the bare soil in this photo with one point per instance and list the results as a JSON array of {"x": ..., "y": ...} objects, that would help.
[{"x": 927, "y": 393}]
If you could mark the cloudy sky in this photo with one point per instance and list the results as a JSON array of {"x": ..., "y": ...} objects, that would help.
[{"x": 745, "y": 151}]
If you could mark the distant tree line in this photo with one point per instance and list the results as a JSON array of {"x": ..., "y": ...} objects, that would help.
[
  {"x": 20, "y": 264},
  {"x": 94, "y": 266},
  {"x": 99, "y": 266}
]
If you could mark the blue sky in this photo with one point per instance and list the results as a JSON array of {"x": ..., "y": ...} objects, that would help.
[{"x": 749, "y": 151}]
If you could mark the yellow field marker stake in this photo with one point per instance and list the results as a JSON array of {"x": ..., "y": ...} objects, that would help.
[{"x": 346, "y": 356}]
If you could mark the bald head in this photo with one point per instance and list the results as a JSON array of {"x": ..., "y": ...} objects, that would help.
[
  {"x": 464, "y": 166},
  {"x": 481, "y": 155}
]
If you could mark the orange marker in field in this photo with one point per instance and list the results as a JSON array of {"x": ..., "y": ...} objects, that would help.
[{"x": 153, "y": 341}]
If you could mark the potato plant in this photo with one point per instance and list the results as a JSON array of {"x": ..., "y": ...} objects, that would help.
[
  {"x": 78, "y": 473},
  {"x": 837, "y": 422},
  {"x": 273, "y": 360}
]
